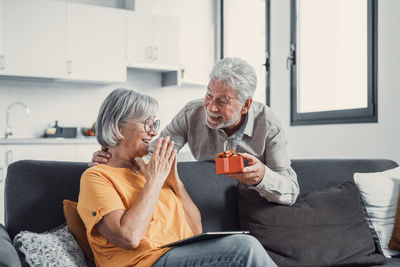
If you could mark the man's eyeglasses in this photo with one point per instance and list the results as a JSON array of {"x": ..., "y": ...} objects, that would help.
[
  {"x": 221, "y": 101},
  {"x": 150, "y": 124}
]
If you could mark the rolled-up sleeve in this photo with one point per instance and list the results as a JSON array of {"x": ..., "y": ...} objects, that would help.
[
  {"x": 97, "y": 198},
  {"x": 279, "y": 183}
]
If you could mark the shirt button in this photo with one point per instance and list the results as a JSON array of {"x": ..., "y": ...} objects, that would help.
[{"x": 94, "y": 213}]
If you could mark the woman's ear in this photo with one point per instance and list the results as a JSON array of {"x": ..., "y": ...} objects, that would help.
[
  {"x": 246, "y": 106},
  {"x": 121, "y": 128}
]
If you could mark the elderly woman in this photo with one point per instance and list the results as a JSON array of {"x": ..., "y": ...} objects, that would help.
[{"x": 131, "y": 208}]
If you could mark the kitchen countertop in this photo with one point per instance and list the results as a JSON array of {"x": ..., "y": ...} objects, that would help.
[{"x": 50, "y": 141}]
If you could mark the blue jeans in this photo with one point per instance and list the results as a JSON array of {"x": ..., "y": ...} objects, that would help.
[{"x": 232, "y": 250}]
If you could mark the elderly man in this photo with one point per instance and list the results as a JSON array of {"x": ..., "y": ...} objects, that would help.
[{"x": 228, "y": 119}]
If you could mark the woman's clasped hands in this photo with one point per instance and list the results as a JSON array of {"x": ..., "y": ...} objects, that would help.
[{"x": 159, "y": 166}]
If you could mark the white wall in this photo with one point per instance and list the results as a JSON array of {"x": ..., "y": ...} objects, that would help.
[
  {"x": 76, "y": 104},
  {"x": 367, "y": 140}
]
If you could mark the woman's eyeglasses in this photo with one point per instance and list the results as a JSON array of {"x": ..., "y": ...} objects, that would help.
[{"x": 150, "y": 124}]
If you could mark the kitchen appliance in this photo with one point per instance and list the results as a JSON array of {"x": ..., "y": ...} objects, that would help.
[{"x": 64, "y": 132}]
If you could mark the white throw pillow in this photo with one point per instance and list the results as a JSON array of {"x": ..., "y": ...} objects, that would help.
[
  {"x": 55, "y": 248},
  {"x": 380, "y": 194}
]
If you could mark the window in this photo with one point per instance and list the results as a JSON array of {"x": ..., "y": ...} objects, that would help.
[
  {"x": 333, "y": 61},
  {"x": 245, "y": 34}
]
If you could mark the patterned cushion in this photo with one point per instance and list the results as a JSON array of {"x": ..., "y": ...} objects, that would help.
[{"x": 55, "y": 248}]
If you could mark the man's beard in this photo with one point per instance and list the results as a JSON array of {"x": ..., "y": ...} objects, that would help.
[{"x": 222, "y": 124}]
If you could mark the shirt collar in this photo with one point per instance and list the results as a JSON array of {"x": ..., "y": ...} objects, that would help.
[{"x": 249, "y": 122}]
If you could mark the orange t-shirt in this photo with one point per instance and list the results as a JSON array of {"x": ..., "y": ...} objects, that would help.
[{"x": 104, "y": 189}]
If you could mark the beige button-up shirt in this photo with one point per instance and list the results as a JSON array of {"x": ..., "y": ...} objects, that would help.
[{"x": 263, "y": 137}]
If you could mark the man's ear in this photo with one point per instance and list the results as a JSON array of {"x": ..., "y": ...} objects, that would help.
[{"x": 246, "y": 106}]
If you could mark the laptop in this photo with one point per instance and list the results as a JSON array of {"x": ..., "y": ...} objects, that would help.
[{"x": 203, "y": 236}]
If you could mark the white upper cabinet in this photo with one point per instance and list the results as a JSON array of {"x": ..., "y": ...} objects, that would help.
[
  {"x": 139, "y": 38},
  {"x": 152, "y": 41},
  {"x": 166, "y": 40},
  {"x": 96, "y": 43},
  {"x": 62, "y": 40},
  {"x": 32, "y": 42},
  {"x": 78, "y": 42},
  {"x": 197, "y": 34}
]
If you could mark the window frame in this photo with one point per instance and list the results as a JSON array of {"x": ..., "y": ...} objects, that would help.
[
  {"x": 267, "y": 64},
  {"x": 357, "y": 115}
]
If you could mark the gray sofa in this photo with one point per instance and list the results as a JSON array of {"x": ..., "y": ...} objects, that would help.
[{"x": 34, "y": 192}]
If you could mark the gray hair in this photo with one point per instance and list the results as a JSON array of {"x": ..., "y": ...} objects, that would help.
[
  {"x": 238, "y": 74},
  {"x": 119, "y": 107}
]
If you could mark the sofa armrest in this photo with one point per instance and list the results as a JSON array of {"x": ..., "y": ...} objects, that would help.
[{"x": 8, "y": 254}]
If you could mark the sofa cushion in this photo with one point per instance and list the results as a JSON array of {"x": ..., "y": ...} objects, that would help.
[
  {"x": 323, "y": 228},
  {"x": 77, "y": 228},
  {"x": 55, "y": 248},
  {"x": 380, "y": 194},
  {"x": 394, "y": 243}
]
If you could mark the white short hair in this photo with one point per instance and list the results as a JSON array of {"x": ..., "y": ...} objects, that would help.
[
  {"x": 119, "y": 107},
  {"x": 238, "y": 74}
]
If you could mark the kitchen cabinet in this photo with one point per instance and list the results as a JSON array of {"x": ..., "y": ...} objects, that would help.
[
  {"x": 62, "y": 40},
  {"x": 78, "y": 42},
  {"x": 60, "y": 152},
  {"x": 139, "y": 38},
  {"x": 3, "y": 150},
  {"x": 84, "y": 152},
  {"x": 96, "y": 43},
  {"x": 153, "y": 44},
  {"x": 32, "y": 42},
  {"x": 197, "y": 36},
  {"x": 152, "y": 39},
  {"x": 166, "y": 40},
  {"x": 41, "y": 152}
]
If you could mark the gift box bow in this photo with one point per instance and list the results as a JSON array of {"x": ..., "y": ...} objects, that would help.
[{"x": 226, "y": 154}]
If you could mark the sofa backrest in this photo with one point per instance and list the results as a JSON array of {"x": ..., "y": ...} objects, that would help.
[
  {"x": 316, "y": 174},
  {"x": 34, "y": 190},
  {"x": 215, "y": 195}
]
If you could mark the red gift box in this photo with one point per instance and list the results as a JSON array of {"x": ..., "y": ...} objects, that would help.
[{"x": 229, "y": 165}]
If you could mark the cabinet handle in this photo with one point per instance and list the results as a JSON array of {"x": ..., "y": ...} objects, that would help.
[
  {"x": 155, "y": 53},
  {"x": 149, "y": 52},
  {"x": 1, "y": 174},
  {"x": 2, "y": 62},
  {"x": 69, "y": 66},
  {"x": 9, "y": 157}
]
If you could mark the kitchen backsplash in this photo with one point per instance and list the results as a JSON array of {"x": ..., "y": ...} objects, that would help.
[{"x": 77, "y": 104}]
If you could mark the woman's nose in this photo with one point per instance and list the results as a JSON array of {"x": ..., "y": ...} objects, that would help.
[{"x": 153, "y": 131}]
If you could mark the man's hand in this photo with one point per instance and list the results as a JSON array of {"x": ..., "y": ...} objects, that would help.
[
  {"x": 251, "y": 174},
  {"x": 100, "y": 156}
]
